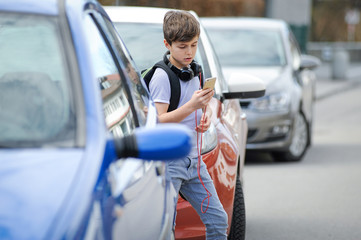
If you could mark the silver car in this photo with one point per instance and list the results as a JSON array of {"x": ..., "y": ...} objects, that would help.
[{"x": 281, "y": 121}]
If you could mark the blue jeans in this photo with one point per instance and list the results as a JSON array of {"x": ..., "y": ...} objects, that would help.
[{"x": 184, "y": 176}]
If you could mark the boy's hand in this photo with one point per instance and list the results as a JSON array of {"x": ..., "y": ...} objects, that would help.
[
  {"x": 204, "y": 123},
  {"x": 201, "y": 98}
]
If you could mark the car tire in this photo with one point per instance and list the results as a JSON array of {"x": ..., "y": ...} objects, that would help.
[
  {"x": 238, "y": 224},
  {"x": 299, "y": 144}
]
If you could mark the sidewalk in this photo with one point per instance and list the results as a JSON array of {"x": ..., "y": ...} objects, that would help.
[{"x": 326, "y": 86}]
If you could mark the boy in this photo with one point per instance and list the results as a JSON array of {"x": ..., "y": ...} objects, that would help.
[{"x": 181, "y": 32}]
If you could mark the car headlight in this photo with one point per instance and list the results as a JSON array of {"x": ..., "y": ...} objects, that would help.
[
  {"x": 209, "y": 139},
  {"x": 272, "y": 102}
]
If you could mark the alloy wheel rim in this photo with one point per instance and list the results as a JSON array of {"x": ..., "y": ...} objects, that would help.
[{"x": 299, "y": 139}]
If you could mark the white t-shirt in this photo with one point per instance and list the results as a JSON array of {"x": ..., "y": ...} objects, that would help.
[{"x": 159, "y": 88}]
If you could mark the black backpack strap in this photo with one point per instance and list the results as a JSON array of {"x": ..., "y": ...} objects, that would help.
[
  {"x": 173, "y": 80},
  {"x": 175, "y": 89}
]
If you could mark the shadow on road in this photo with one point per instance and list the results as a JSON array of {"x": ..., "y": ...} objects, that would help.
[
  {"x": 254, "y": 157},
  {"x": 263, "y": 158}
]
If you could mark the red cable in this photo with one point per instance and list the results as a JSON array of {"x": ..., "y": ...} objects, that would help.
[{"x": 199, "y": 161}]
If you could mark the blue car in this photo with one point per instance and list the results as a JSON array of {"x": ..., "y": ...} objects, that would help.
[{"x": 78, "y": 133}]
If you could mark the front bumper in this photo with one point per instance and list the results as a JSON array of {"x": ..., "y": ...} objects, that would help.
[{"x": 270, "y": 130}]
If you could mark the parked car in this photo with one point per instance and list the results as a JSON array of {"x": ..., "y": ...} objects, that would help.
[
  {"x": 281, "y": 121},
  {"x": 224, "y": 143},
  {"x": 75, "y": 125}
]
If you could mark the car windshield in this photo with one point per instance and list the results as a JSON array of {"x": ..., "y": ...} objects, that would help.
[
  {"x": 35, "y": 102},
  {"x": 246, "y": 47},
  {"x": 150, "y": 36},
  {"x": 145, "y": 42}
]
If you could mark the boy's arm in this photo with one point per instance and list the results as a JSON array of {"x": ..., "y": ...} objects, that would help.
[
  {"x": 199, "y": 99},
  {"x": 174, "y": 116}
]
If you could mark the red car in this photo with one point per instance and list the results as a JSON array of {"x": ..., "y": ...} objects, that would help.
[{"x": 223, "y": 147}]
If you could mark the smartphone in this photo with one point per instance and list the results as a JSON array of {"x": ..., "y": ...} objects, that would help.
[{"x": 209, "y": 83}]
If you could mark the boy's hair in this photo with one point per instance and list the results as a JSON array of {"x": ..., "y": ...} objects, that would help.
[{"x": 179, "y": 25}]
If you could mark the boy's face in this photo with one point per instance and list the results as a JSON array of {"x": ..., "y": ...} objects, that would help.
[{"x": 182, "y": 53}]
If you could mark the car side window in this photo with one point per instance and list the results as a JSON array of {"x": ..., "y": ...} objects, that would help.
[
  {"x": 119, "y": 118},
  {"x": 139, "y": 92}
]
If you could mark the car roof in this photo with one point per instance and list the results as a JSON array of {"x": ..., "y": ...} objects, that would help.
[
  {"x": 243, "y": 22},
  {"x": 137, "y": 14},
  {"x": 47, "y": 7},
  {"x": 40, "y": 7}
]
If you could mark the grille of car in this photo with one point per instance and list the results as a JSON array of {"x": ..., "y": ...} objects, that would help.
[
  {"x": 275, "y": 138},
  {"x": 251, "y": 133}
]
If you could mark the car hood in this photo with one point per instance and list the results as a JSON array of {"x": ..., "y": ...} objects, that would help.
[
  {"x": 274, "y": 77},
  {"x": 33, "y": 186}
]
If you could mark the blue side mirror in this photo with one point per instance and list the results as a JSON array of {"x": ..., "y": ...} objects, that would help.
[{"x": 163, "y": 142}]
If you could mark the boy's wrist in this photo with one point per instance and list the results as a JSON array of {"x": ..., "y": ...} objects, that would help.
[{"x": 191, "y": 107}]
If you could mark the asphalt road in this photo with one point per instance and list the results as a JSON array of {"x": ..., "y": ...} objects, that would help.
[{"x": 319, "y": 197}]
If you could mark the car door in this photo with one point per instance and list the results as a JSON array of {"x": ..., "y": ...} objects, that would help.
[
  {"x": 305, "y": 78},
  {"x": 132, "y": 194},
  {"x": 231, "y": 116}
]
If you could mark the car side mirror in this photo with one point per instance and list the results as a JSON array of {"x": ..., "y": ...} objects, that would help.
[
  {"x": 163, "y": 142},
  {"x": 309, "y": 62},
  {"x": 243, "y": 85}
]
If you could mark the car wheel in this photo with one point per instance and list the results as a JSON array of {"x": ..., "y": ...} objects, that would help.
[
  {"x": 238, "y": 224},
  {"x": 299, "y": 143}
]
